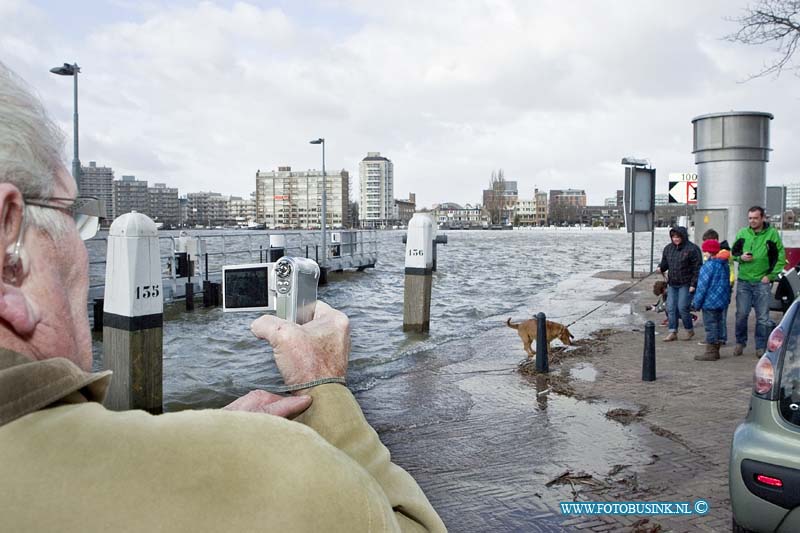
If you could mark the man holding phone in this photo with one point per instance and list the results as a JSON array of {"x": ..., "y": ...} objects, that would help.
[{"x": 759, "y": 251}]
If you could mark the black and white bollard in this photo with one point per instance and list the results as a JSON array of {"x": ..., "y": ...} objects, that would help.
[
  {"x": 133, "y": 315},
  {"x": 541, "y": 344},
  {"x": 649, "y": 356},
  {"x": 418, "y": 274}
]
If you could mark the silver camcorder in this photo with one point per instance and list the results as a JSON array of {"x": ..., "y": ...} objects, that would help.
[{"x": 288, "y": 286}]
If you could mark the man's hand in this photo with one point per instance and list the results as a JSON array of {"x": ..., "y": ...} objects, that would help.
[
  {"x": 259, "y": 401},
  {"x": 691, "y": 289},
  {"x": 317, "y": 349},
  {"x": 765, "y": 279},
  {"x": 746, "y": 257}
]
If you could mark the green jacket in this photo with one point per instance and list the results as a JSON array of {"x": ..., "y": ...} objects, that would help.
[
  {"x": 769, "y": 257},
  {"x": 68, "y": 464}
]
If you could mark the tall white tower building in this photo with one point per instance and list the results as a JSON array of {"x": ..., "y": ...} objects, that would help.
[{"x": 376, "y": 176}]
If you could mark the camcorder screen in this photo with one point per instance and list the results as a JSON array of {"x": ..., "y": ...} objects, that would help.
[{"x": 246, "y": 287}]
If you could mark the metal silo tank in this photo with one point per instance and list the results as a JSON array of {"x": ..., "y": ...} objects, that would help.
[{"x": 731, "y": 151}]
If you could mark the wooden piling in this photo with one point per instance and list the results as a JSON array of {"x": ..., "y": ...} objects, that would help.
[{"x": 417, "y": 302}]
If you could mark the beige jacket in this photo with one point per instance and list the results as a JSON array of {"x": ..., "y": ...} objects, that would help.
[{"x": 68, "y": 464}]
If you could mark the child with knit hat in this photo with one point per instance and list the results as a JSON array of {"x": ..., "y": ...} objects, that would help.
[{"x": 713, "y": 296}]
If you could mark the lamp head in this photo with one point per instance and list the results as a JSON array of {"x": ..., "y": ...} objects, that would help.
[
  {"x": 317, "y": 141},
  {"x": 632, "y": 161},
  {"x": 66, "y": 70}
]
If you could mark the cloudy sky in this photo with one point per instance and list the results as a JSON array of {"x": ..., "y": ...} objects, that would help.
[{"x": 201, "y": 95}]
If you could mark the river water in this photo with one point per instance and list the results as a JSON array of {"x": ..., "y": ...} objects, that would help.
[{"x": 483, "y": 277}]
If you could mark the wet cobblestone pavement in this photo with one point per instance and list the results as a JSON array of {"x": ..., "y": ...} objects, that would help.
[{"x": 496, "y": 449}]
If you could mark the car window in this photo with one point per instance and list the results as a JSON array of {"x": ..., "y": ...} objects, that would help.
[{"x": 789, "y": 392}]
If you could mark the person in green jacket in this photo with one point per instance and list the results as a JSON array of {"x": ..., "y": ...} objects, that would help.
[
  {"x": 68, "y": 464},
  {"x": 759, "y": 251}
]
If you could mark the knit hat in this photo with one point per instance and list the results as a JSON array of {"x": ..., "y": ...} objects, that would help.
[{"x": 711, "y": 246}]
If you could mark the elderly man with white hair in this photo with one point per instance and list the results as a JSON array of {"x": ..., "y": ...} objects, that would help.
[{"x": 68, "y": 464}]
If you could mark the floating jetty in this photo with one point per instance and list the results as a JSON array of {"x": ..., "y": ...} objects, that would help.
[{"x": 197, "y": 257}]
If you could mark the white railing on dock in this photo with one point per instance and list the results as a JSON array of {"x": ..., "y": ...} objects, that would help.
[{"x": 356, "y": 249}]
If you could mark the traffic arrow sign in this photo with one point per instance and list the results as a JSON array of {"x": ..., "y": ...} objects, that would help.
[{"x": 683, "y": 191}]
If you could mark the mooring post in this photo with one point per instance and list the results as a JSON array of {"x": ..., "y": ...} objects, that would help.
[
  {"x": 133, "y": 315},
  {"x": 541, "y": 344},
  {"x": 98, "y": 315},
  {"x": 277, "y": 248},
  {"x": 649, "y": 356},
  {"x": 216, "y": 291},
  {"x": 207, "y": 298},
  {"x": 418, "y": 274},
  {"x": 440, "y": 239},
  {"x": 190, "y": 296}
]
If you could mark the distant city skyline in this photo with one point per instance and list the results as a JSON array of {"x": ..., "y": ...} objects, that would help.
[{"x": 201, "y": 94}]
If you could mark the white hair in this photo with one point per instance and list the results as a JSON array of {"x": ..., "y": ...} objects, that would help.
[{"x": 31, "y": 148}]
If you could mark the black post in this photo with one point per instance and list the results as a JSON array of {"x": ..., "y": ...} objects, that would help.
[
  {"x": 206, "y": 266},
  {"x": 306, "y": 251},
  {"x": 216, "y": 292},
  {"x": 98, "y": 315},
  {"x": 206, "y": 293},
  {"x": 190, "y": 296},
  {"x": 649, "y": 356},
  {"x": 541, "y": 344},
  {"x": 260, "y": 253}
]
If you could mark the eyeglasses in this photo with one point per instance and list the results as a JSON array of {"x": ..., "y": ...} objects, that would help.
[{"x": 85, "y": 210}]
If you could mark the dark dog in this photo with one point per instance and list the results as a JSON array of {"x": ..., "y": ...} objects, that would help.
[{"x": 528, "y": 330}]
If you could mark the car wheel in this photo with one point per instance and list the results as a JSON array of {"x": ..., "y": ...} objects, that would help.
[{"x": 736, "y": 528}]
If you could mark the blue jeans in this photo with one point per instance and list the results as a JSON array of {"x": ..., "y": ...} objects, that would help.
[
  {"x": 678, "y": 300},
  {"x": 723, "y": 335},
  {"x": 713, "y": 320},
  {"x": 756, "y": 296}
]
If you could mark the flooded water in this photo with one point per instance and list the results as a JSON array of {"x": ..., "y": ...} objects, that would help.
[{"x": 483, "y": 277}]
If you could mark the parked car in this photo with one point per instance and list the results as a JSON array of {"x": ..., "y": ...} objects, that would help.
[{"x": 764, "y": 470}]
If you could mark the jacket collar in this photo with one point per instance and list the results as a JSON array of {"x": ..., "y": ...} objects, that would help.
[{"x": 27, "y": 385}]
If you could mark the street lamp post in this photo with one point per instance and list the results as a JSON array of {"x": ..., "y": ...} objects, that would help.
[
  {"x": 324, "y": 204},
  {"x": 72, "y": 70}
]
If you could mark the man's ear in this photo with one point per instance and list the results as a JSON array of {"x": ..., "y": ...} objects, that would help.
[
  {"x": 11, "y": 206},
  {"x": 15, "y": 310}
]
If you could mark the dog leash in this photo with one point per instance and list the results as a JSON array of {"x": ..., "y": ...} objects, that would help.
[{"x": 623, "y": 291}]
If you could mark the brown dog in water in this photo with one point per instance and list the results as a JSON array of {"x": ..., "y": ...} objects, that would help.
[{"x": 528, "y": 329}]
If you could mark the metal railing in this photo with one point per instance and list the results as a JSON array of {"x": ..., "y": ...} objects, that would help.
[{"x": 219, "y": 249}]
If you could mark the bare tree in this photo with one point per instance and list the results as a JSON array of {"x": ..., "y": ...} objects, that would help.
[
  {"x": 775, "y": 22},
  {"x": 493, "y": 198}
]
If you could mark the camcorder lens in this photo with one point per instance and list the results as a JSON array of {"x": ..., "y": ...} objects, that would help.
[{"x": 283, "y": 269}]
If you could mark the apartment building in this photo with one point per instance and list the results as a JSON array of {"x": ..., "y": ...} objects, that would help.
[
  {"x": 242, "y": 210},
  {"x": 376, "y": 179},
  {"x": 129, "y": 194},
  {"x": 404, "y": 209},
  {"x": 793, "y": 196},
  {"x": 540, "y": 199},
  {"x": 207, "y": 209},
  {"x": 98, "y": 182},
  {"x": 292, "y": 199},
  {"x": 450, "y": 215},
  {"x": 164, "y": 205}
]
